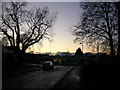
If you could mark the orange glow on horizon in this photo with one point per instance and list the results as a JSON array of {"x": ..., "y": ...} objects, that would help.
[{"x": 45, "y": 50}]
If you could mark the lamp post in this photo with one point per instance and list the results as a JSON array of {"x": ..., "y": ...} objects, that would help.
[{"x": 81, "y": 45}]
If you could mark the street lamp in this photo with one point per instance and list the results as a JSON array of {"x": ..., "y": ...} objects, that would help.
[{"x": 81, "y": 45}]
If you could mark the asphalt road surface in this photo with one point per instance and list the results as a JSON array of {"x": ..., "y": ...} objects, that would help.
[
  {"x": 71, "y": 80},
  {"x": 91, "y": 76},
  {"x": 36, "y": 79}
]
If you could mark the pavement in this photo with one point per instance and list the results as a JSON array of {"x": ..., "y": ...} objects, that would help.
[{"x": 70, "y": 80}]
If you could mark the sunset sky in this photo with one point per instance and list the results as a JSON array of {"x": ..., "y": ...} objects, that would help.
[
  {"x": 68, "y": 15},
  {"x": 69, "y": 12}
]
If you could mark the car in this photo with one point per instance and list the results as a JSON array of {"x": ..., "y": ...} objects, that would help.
[{"x": 47, "y": 65}]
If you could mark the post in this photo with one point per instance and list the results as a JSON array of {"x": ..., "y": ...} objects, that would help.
[{"x": 81, "y": 46}]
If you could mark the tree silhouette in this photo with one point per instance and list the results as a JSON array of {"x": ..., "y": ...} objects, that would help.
[
  {"x": 78, "y": 52},
  {"x": 98, "y": 24},
  {"x": 117, "y": 4},
  {"x": 23, "y": 27}
]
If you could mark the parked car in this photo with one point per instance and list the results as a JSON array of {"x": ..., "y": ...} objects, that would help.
[{"x": 48, "y": 65}]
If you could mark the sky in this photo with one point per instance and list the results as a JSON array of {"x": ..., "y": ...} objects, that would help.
[{"x": 68, "y": 15}]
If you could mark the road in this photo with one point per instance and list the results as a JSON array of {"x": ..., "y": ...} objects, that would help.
[
  {"x": 36, "y": 79},
  {"x": 94, "y": 76},
  {"x": 71, "y": 80}
]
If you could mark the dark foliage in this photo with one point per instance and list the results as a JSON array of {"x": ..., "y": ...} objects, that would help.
[{"x": 78, "y": 52}]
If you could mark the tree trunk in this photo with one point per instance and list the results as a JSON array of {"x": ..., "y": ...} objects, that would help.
[
  {"x": 112, "y": 52},
  {"x": 18, "y": 50},
  {"x": 22, "y": 54},
  {"x": 23, "y": 50},
  {"x": 109, "y": 32},
  {"x": 18, "y": 56}
]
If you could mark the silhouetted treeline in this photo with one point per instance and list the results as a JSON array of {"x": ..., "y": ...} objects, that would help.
[{"x": 99, "y": 26}]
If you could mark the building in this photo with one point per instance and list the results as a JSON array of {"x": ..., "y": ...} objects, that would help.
[{"x": 8, "y": 55}]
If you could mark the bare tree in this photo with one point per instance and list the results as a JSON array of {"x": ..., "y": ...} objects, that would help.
[
  {"x": 23, "y": 27},
  {"x": 26, "y": 26},
  {"x": 98, "y": 24},
  {"x": 117, "y": 4}
]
